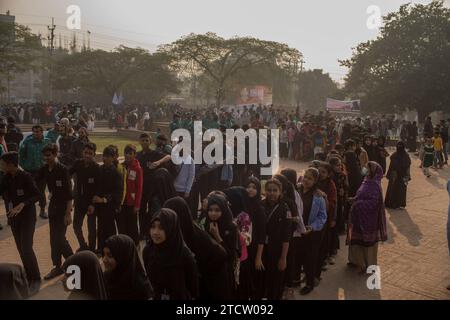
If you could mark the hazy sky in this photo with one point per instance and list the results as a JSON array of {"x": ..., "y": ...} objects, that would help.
[{"x": 323, "y": 30}]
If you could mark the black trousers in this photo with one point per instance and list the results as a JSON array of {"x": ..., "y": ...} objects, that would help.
[
  {"x": 59, "y": 245},
  {"x": 293, "y": 261},
  {"x": 106, "y": 225},
  {"x": 193, "y": 199},
  {"x": 145, "y": 214},
  {"x": 41, "y": 187},
  {"x": 22, "y": 228},
  {"x": 127, "y": 223},
  {"x": 310, "y": 246},
  {"x": 78, "y": 220},
  {"x": 333, "y": 241}
]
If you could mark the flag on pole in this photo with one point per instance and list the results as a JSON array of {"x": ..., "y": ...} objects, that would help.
[{"x": 115, "y": 99}]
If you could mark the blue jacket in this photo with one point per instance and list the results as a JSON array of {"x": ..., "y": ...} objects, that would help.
[
  {"x": 52, "y": 135},
  {"x": 318, "y": 214},
  {"x": 30, "y": 153}
]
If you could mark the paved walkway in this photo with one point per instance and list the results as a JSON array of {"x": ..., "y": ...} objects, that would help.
[{"x": 414, "y": 262}]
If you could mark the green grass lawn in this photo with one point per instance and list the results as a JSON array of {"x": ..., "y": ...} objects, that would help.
[{"x": 103, "y": 142}]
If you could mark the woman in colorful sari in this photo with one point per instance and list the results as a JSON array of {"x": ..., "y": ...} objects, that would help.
[{"x": 367, "y": 221}]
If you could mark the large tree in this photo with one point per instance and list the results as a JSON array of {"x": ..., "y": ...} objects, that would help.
[
  {"x": 18, "y": 51},
  {"x": 220, "y": 59},
  {"x": 135, "y": 72},
  {"x": 407, "y": 65},
  {"x": 314, "y": 87}
]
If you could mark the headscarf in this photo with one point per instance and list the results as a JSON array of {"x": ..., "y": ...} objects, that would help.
[
  {"x": 288, "y": 193},
  {"x": 368, "y": 216},
  {"x": 13, "y": 282},
  {"x": 92, "y": 280},
  {"x": 225, "y": 222},
  {"x": 400, "y": 160},
  {"x": 181, "y": 208},
  {"x": 170, "y": 252},
  {"x": 290, "y": 174},
  {"x": 252, "y": 204},
  {"x": 236, "y": 197},
  {"x": 163, "y": 182},
  {"x": 128, "y": 280}
]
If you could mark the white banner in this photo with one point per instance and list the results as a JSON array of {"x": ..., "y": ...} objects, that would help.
[{"x": 343, "y": 106}]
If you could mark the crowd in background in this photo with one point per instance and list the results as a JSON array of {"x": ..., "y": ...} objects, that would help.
[{"x": 218, "y": 231}]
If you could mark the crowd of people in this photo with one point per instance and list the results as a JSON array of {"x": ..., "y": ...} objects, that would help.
[
  {"x": 208, "y": 232},
  {"x": 118, "y": 116}
]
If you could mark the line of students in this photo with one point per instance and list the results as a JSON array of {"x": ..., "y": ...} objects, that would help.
[
  {"x": 249, "y": 243},
  {"x": 240, "y": 246}
]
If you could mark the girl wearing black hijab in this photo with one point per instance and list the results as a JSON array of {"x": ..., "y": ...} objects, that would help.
[
  {"x": 14, "y": 283},
  {"x": 293, "y": 267},
  {"x": 370, "y": 148},
  {"x": 168, "y": 261},
  {"x": 125, "y": 276},
  {"x": 398, "y": 176},
  {"x": 210, "y": 256},
  {"x": 256, "y": 247},
  {"x": 236, "y": 196},
  {"x": 92, "y": 281},
  {"x": 220, "y": 226},
  {"x": 164, "y": 186},
  {"x": 278, "y": 236}
]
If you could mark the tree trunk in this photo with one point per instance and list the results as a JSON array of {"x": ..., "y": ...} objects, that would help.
[{"x": 219, "y": 97}]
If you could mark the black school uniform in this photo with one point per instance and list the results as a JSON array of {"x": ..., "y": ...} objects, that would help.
[
  {"x": 87, "y": 179},
  {"x": 171, "y": 265},
  {"x": 255, "y": 277},
  {"x": 60, "y": 188},
  {"x": 230, "y": 242},
  {"x": 66, "y": 155},
  {"x": 146, "y": 158},
  {"x": 278, "y": 232},
  {"x": 211, "y": 257},
  {"x": 111, "y": 188},
  {"x": 17, "y": 189}
]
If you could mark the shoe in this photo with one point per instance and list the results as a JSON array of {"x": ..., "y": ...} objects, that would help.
[
  {"x": 1, "y": 227},
  {"x": 34, "y": 287},
  {"x": 43, "y": 214},
  {"x": 306, "y": 290},
  {"x": 324, "y": 267},
  {"x": 317, "y": 281},
  {"x": 57, "y": 271},
  {"x": 331, "y": 261},
  {"x": 302, "y": 278}
]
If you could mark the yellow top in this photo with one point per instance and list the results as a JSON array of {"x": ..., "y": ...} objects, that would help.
[{"x": 437, "y": 143}]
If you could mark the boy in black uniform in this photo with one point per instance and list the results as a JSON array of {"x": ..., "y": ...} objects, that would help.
[
  {"x": 56, "y": 177},
  {"x": 20, "y": 194},
  {"x": 86, "y": 173},
  {"x": 108, "y": 198},
  {"x": 149, "y": 160}
]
